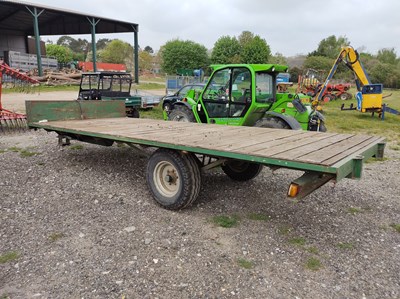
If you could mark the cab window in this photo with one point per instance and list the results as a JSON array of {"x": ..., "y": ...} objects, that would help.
[{"x": 264, "y": 88}]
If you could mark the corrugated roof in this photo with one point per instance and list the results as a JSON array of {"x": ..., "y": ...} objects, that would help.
[{"x": 15, "y": 16}]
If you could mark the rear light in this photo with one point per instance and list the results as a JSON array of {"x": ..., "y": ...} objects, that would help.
[{"x": 293, "y": 190}]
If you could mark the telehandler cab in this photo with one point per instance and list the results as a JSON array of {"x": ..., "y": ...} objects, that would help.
[{"x": 246, "y": 95}]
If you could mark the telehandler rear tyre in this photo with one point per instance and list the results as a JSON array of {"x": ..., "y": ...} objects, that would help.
[{"x": 272, "y": 122}]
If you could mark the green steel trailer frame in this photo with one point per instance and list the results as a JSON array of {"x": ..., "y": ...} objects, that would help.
[{"x": 186, "y": 149}]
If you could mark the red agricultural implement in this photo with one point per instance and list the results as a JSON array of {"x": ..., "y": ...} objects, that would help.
[
  {"x": 310, "y": 83},
  {"x": 10, "y": 120}
]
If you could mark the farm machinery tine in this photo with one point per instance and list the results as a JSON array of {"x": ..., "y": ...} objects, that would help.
[{"x": 11, "y": 121}]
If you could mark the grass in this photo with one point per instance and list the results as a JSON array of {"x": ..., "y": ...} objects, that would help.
[
  {"x": 4, "y": 296},
  {"x": 313, "y": 264},
  {"x": 284, "y": 230},
  {"x": 9, "y": 257},
  {"x": 44, "y": 88},
  {"x": 354, "y": 211},
  {"x": 2, "y": 151},
  {"x": 24, "y": 152},
  {"x": 226, "y": 221},
  {"x": 357, "y": 122},
  {"x": 56, "y": 236},
  {"x": 76, "y": 147},
  {"x": 14, "y": 149},
  {"x": 148, "y": 86},
  {"x": 245, "y": 263},
  {"x": 345, "y": 245},
  {"x": 396, "y": 227},
  {"x": 373, "y": 160},
  {"x": 258, "y": 217},
  {"x": 313, "y": 250},
  {"x": 298, "y": 241},
  {"x": 154, "y": 113}
]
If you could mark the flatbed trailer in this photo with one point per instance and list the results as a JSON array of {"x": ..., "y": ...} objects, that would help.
[{"x": 186, "y": 149}]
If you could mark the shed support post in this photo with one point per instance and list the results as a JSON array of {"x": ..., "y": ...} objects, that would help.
[
  {"x": 136, "y": 55},
  {"x": 93, "y": 22},
  {"x": 36, "y": 15}
]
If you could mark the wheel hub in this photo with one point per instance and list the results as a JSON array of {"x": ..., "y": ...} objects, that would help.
[
  {"x": 171, "y": 177},
  {"x": 166, "y": 179}
]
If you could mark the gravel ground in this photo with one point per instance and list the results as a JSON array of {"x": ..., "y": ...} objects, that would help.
[{"x": 82, "y": 224}]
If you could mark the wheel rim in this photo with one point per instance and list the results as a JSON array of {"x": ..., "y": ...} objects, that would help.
[
  {"x": 166, "y": 179},
  {"x": 180, "y": 118},
  {"x": 343, "y": 97}
]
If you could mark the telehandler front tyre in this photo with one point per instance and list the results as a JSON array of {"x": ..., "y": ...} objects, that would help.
[
  {"x": 174, "y": 178},
  {"x": 241, "y": 170},
  {"x": 181, "y": 113}
]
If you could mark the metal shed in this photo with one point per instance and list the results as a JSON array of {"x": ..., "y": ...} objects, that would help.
[{"x": 23, "y": 19}]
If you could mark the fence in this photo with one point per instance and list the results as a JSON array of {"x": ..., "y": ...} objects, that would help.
[
  {"x": 26, "y": 62},
  {"x": 173, "y": 83}
]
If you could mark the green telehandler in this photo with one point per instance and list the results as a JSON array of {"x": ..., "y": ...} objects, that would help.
[{"x": 246, "y": 95}]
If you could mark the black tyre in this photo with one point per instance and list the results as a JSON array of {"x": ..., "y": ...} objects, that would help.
[
  {"x": 322, "y": 127},
  {"x": 174, "y": 178},
  {"x": 181, "y": 113},
  {"x": 272, "y": 122},
  {"x": 134, "y": 113},
  {"x": 241, "y": 170}
]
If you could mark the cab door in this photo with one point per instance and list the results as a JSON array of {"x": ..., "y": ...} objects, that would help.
[
  {"x": 240, "y": 95},
  {"x": 216, "y": 97},
  {"x": 227, "y": 97}
]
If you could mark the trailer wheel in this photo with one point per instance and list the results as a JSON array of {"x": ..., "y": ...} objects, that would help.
[
  {"x": 181, "y": 113},
  {"x": 272, "y": 122},
  {"x": 174, "y": 178},
  {"x": 241, "y": 170}
]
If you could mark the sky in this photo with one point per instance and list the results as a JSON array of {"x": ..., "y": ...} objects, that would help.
[{"x": 290, "y": 27}]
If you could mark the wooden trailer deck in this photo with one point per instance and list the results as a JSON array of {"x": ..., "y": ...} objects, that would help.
[
  {"x": 322, "y": 156},
  {"x": 316, "y": 151}
]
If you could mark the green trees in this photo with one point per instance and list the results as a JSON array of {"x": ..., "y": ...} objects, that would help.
[
  {"x": 61, "y": 53},
  {"x": 256, "y": 51},
  {"x": 247, "y": 48},
  {"x": 330, "y": 46},
  {"x": 177, "y": 54},
  {"x": 386, "y": 68},
  {"x": 116, "y": 51},
  {"x": 226, "y": 50}
]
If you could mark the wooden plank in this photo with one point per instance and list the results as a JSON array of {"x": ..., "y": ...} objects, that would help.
[
  {"x": 294, "y": 144},
  {"x": 262, "y": 146},
  {"x": 351, "y": 151},
  {"x": 310, "y": 148},
  {"x": 331, "y": 153},
  {"x": 251, "y": 143}
]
